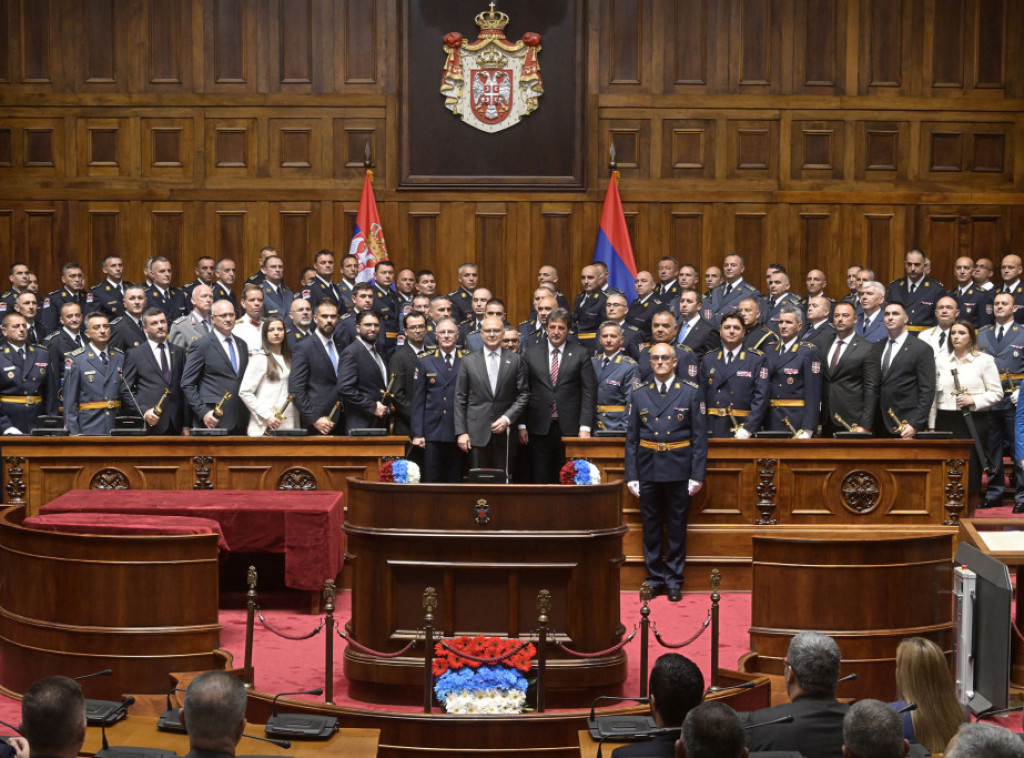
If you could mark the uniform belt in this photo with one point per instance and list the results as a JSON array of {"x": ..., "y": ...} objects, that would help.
[
  {"x": 586, "y": 335},
  {"x": 661, "y": 447},
  {"x": 788, "y": 403},
  {"x": 390, "y": 335},
  {"x": 917, "y": 328},
  {"x": 22, "y": 399},
  {"x": 610, "y": 408},
  {"x": 725, "y": 412},
  {"x": 99, "y": 404}
]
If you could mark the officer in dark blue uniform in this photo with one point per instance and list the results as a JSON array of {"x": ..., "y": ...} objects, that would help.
[
  {"x": 735, "y": 381},
  {"x": 616, "y": 376},
  {"x": 633, "y": 340},
  {"x": 588, "y": 310},
  {"x": 433, "y": 407},
  {"x": 663, "y": 331},
  {"x": 794, "y": 379},
  {"x": 28, "y": 385},
  {"x": 726, "y": 297},
  {"x": 108, "y": 295},
  {"x": 975, "y": 304},
  {"x": 666, "y": 459},
  {"x": 164, "y": 295},
  {"x": 916, "y": 292},
  {"x": 73, "y": 291},
  {"x": 92, "y": 389},
  {"x": 20, "y": 275},
  {"x": 384, "y": 302},
  {"x": 462, "y": 298}
]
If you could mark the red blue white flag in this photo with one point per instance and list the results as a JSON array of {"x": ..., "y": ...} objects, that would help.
[
  {"x": 368, "y": 237},
  {"x": 613, "y": 248}
]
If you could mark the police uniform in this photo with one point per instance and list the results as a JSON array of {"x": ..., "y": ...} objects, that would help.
[
  {"x": 345, "y": 293},
  {"x": 1009, "y": 356},
  {"x": 666, "y": 446},
  {"x": 92, "y": 393},
  {"x": 171, "y": 301},
  {"x": 108, "y": 297},
  {"x": 28, "y": 387},
  {"x": 794, "y": 379},
  {"x": 258, "y": 278},
  {"x": 433, "y": 416},
  {"x": 187, "y": 329},
  {"x": 920, "y": 306},
  {"x": 741, "y": 384},
  {"x": 725, "y": 298},
  {"x": 588, "y": 313},
  {"x": 8, "y": 299},
  {"x": 641, "y": 313},
  {"x": 668, "y": 290},
  {"x": 1017, "y": 291},
  {"x": 49, "y": 313},
  {"x": 772, "y": 311},
  {"x": 615, "y": 382}
]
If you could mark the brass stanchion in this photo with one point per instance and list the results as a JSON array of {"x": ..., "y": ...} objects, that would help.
[
  {"x": 429, "y": 606},
  {"x": 329, "y": 594},
  {"x": 645, "y": 625},
  {"x": 716, "y": 583},
  {"x": 250, "y": 621},
  {"x": 543, "y": 611}
]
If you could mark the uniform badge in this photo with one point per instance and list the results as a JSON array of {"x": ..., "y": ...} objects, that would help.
[
  {"x": 764, "y": 372},
  {"x": 88, "y": 298},
  {"x": 691, "y": 370},
  {"x": 400, "y": 340},
  {"x": 703, "y": 409},
  {"x": 492, "y": 83},
  {"x": 305, "y": 294},
  {"x": 815, "y": 367},
  {"x": 67, "y": 363},
  {"x": 10, "y": 374},
  {"x": 3, "y": 306},
  {"x": 790, "y": 371},
  {"x": 612, "y": 382},
  {"x": 789, "y": 380},
  {"x": 46, "y": 302}
]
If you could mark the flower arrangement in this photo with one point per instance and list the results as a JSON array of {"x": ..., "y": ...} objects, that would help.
[
  {"x": 399, "y": 470},
  {"x": 579, "y": 471},
  {"x": 482, "y": 674}
]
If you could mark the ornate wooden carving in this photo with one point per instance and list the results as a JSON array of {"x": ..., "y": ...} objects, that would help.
[
  {"x": 297, "y": 479},
  {"x": 954, "y": 490},
  {"x": 766, "y": 490},
  {"x": 15, "y": 479},
  {"x": 859, "y": 490},
  {"x": 203, "y": 466},
  {"x": 109, "y": 479}
]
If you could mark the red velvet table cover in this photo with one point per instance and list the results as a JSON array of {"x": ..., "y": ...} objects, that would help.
[
  {"x": 115, "y": 524},
  {"x": 305, "y": 526}
]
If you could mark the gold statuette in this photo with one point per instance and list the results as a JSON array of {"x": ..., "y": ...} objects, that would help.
[
  {"x": 900, "y": 425},
  {"x": 732, "y": 418},
  {"x": 279, "y": 415},
  {"x": 785, "y": 420},
  {"x": 334, "y": 412},
  {"x": 218, "y": 409},
  {"x": 839, "y": 420},
  {"x": 159, "y": 407}
]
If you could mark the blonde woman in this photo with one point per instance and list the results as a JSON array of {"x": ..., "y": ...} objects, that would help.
[
  {"x": 264, "y": 387},
  {"x": 922, "y": 677}
]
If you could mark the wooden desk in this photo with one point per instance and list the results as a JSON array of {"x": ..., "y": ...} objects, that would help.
[
  {"x": 39, "y": 469},
  {"x": 797, "y": 488},
  {"x": 141, "y": 731}
]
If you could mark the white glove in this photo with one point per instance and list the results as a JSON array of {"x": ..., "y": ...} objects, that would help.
[
  {"x": 1013, "y": 397},
  {"x": 742, "y": 434},
  {"x": 805, "y": 434},
  {"x": 694, "y": 487},
  {"x": 14, "y": 430},
  {"x": 634, "y": 487}
]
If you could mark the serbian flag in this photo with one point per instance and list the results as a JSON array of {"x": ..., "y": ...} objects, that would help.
[
  {"x": 613, "y": 248},
  {"x": 368, "y": 238}
]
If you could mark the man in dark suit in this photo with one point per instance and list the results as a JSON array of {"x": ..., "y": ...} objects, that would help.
[
  {"x": 433, "y": 406},
  {"x": 811, "y": 675},
  {"x": 676, "y": 686},
  {"x": 150, "y": 370},
  {"x": 214, "y": 365},
  {"x": 818, "y": 329},
  {"x": 714, "y": 730},
  {"x": 851, "y": 376},
  {"x": 907, "y": 385},
  {"x": 916, "y": 292},
  {"x": 126, "y": 330},
  {"x": 562, "y": 391},
  {"x": 27, "y": 304},
  {"x": 693, "y": 330},
  {"x": 214, "y": 714},
  {"x": 314, "y": 373},
  {"x": 666, "y": 459},
  {"x": 491, "y": 393},
  {"x": 362, "y": 376},
  {"x": 663, "y": 331},
  {"x": 871, "y": 322}
]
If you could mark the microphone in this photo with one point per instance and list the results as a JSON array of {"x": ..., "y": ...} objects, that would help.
[
  {"x": 317, "y": 691},
  {"x": 1000, "y": 712},
  {"x": 170, "y": 719},
  {"x": 621, "y": 727},
  {"x": 913, "y": 707},
  {"x": 280, "y": 743},
  {"x": 782, "y": 720},
  {"x": 99, "y": 712},
  {"x": 303, "y": 726},
  {"x": 714, "y": 690},
  {"x": 120, "y": 375},
  {"x": 104, "y": 672},
  {"x": 847, "y": 678},
  {"x": 129, "y": 752}
]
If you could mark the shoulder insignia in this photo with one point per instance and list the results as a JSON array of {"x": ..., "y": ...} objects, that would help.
[
  {"x": 116, "y": 350},
  {"x": 627, "y": 360},
  {"x": 239, "y": 320},
  {"x": 179, "y": 320},
  {"x": 631, "y": 328},
  {"x": 689, "y": 384},
  {"x": 6, "y": 350},
  {"x": 652, "y": 386},
  {"x": 753, "y": 351},
  {"x": 116, "y": 321},
  {"x": 79, "y": 351},
  {"x": 51, "y": 335}
]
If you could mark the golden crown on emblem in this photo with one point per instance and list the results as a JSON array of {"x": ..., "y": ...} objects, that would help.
[
  {"x": 491, "y": 20},
  {"x": 491, "y": 58}
]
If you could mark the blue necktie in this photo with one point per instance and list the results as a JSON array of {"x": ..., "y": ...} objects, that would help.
[
  {"x": 231, "y": 352},
  {"x": 332, "y": 353},
  {"x": 682, "y": 332}
]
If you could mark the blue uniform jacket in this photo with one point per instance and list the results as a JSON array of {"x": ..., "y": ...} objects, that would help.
[
  {"x": 614, "y": 390},
  {"x": 675, "y": 417},
  {"x": 31, "y": 378},
  {"x": 795, "y": 375},
  {"x": 87, "y": 380},
  {"x": 433, "y": 415},
  {"x": 743, "y": 384}
]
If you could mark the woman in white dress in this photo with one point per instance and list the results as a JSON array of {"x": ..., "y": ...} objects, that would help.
[{"x": 264, "y": 387}]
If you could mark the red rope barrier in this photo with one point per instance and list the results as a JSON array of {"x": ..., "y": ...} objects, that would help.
[
  {"x": 600, "y": 653},
  {"x": 370, "y": 651},
  {"x": 287, "y": 636},
  {"x": 490, "y": 661},
  {"x": 671, "y": 646}
]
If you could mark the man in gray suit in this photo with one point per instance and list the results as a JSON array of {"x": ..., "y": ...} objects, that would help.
[
  {"x": 214, "y": 367},
  {"x": 197, "y": 324},
  {"x": 491, "y": 393}
]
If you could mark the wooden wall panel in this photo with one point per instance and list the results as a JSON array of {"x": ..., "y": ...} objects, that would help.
[
  {"x": 886, "y": 32},
  {"x": 819, "y": 53},
  {"x": 39, "y": 36},
  {"x": 166, "y": 63},
  {"x": 230, "y": 49},
  {"x": 688, "y": 39},
  {"x": 624, "y": 38},
  {"x": 358, "y": 33}
]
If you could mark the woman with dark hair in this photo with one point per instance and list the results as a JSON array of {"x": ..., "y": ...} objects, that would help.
[
  {"x": 264, "y": 387},
  {"x": 965, "y": 380},
  {"x": 922, "y": 677}
]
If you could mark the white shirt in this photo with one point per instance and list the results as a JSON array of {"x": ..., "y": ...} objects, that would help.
[
  {"x": 376, "y": 358},
  {"x": 249, "y": 334},
  {"x": 978, "y": 375},
  {"x": 155, "y": 347},
  {"x": 893, "y": 349}
]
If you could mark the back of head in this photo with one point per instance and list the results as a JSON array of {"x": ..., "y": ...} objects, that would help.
[
  {"x": 922, "y": 677},
  {"x": 814, "y": 658},
  {"x": 713, "y": 730},
  {"x": 872, "y": 729},
  {"x": 677, "y": 685},
  {"x": 214, "y": 709},
  {"x": 985, "y": 741},
  {"x": 53, "y": 716}
]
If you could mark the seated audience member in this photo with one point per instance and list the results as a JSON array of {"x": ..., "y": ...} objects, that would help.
[
  {"x": 811, "y": 674},
  {"x": 214, "y": 714},
  {"x": 676, "y": 687},
  {"x": 871, "y": 729},
  {"x": 264, "y": 387},
  {"x": 712, "y": 730},
  {"x": 984, "y": 741},
  {"x": 53, "y": 718},
  {"x": 922, "y": 677}
]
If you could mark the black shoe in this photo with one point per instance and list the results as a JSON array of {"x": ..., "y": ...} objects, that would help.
[
  {"x": 986, "y": 503},
  {"x": 674, "y": 594},
  {"x": 1018, "y": 508}
]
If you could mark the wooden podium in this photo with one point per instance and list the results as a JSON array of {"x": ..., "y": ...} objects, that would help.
[{"x": 488, "y": 550}]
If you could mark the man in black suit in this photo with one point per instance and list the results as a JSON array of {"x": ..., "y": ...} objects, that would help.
[
  {"x": 676, "y": 687},
  {"x": 214, "y": 715},
  {"x": 851, "y": 376},
  {"x": 223, "y": 287},
  {"x": 907, "y": 385},
  {"x": 492, "y": 391},
  {"x": 150, "y": 369},
  {"x": 214, "y": 366},
  {"x": 362, "y": 376},
  {"x": 811, "y": 675},
  {"x": 126, "y": 330},
  {"x": 562, "y": 391},
  {"x": 694, "y": 331},
  {"x": 314, "y": 373}
]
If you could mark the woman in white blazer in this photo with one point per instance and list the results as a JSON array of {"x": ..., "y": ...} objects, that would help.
[{"x": 264, "y": 387}]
